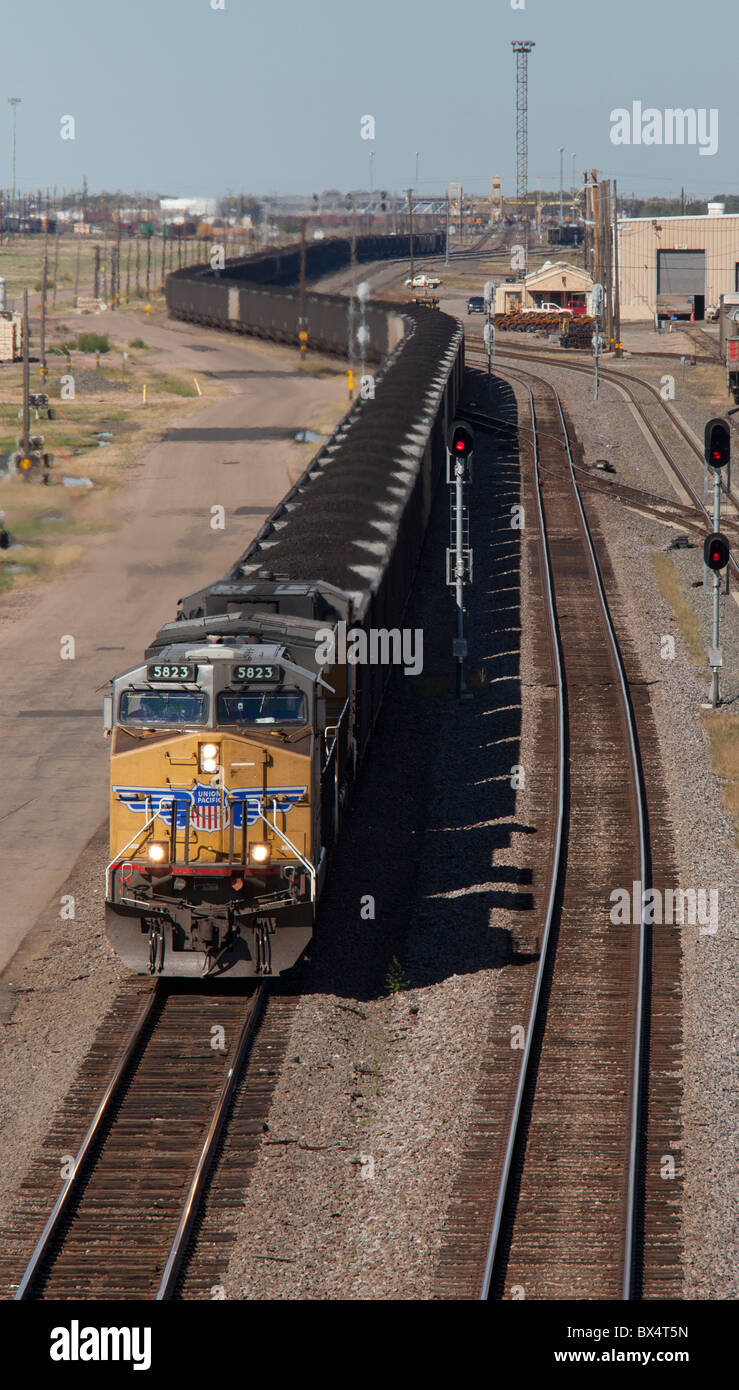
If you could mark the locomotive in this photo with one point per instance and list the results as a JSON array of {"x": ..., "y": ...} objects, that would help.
[{"x": 235, "y": 740}]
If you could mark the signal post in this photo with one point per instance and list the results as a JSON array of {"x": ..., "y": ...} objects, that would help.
[
  {"x": 717, "y": 445},
  {"x": 460, "y": 443}
]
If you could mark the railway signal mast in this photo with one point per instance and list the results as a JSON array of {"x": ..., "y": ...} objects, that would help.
[
  {"x": 460, "y": 444},
  {"x": 717, "y": 441}
]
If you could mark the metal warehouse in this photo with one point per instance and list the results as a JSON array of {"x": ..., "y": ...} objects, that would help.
[{"x": 677, "y": 265}]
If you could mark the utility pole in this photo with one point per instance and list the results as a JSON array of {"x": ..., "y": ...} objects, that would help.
[
  {"x": 446, "y": 252},
  {"x": 128, "y": 269},
  {"x": 148, "y": 263},
  {"x": 96, "y": 283},
  {"x": 302, "y": 330},
  {"x": 617, "y": 277},
  {"x": 42, "y": 346},
  {"x": 461, "y": 216},
  {"x": 77, "y": 272},
  {"x": 410, "y": 227},
  {"x": 604, "y": 233},
  {"x": 56, "y": 264},
  {"x": 596, "y": 221},
  {"x": 561, "y": 183},
  {"x": 26, "y": 442},
  {"x": 14, "y": 102}
]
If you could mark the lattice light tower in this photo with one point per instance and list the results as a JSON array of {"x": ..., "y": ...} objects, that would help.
[{"x": 522, "y": 48}]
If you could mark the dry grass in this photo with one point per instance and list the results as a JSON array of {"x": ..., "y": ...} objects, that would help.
[
  {"x": 671, "y": 589},
  {"x": 723, "y": 731},
  {"x": 722, "y": 728},
  {"x": 109, "y": 399}
]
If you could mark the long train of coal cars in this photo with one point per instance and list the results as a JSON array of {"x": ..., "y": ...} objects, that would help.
[{"x": 235, "y": 739}]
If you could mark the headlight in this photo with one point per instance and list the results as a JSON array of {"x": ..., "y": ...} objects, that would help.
[
  {"x": 158, "y": 851},
  {"x": 208, "y": 757},
  {"x": 260, "y": 852}
]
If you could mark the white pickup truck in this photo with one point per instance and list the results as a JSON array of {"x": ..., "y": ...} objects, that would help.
[
  {"x": 549, "y": 309},
  {"x": 423, "y": 282}
]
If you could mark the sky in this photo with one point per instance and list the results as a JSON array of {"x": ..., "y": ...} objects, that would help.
[{"x": 179, "y": 97}]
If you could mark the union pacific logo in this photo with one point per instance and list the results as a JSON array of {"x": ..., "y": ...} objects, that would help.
[{"x": 209, "y": 808}]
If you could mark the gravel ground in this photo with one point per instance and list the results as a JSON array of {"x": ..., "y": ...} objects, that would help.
[{"x": 52, "y": 998}]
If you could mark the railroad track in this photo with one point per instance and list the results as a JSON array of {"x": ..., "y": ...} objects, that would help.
[
  {"x": 654, "y": 503},
  {"x": 555, "y": 1165},
  {"x": 122, "y": 1223},
  {"x": 478, "y": 355}
]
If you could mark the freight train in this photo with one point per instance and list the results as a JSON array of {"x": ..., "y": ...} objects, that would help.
[{"x": 236, "y": 738}]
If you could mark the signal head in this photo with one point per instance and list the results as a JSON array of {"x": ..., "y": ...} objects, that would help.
[
  {"x": 717, "y": 442},
  {"x": 460, "y": 440},
  {"x": 716, "y": 551}
]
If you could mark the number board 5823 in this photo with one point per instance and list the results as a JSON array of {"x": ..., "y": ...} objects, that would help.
[{"x": 256, "y": 675}]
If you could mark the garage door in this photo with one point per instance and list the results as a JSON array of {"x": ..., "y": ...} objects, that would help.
[{"x": 681, "y": 272}]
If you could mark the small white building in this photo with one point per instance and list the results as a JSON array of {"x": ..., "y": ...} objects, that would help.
[{"x": 556, "y": 282}]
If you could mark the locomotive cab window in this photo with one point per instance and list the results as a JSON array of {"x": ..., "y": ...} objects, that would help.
[
  {"x": 162, "y": 708},
  {"x": 262, "y": 707}
]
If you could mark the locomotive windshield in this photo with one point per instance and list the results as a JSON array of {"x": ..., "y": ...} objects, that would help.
[
  {"x": 262, "y": 707},
  {"x": 162, "y": 708}
]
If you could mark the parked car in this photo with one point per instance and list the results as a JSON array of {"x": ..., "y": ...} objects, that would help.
[
  {"x": 476, "y": 304},
  {"x": 423, "y": 282},
  {"x": 550, "y": 309}
]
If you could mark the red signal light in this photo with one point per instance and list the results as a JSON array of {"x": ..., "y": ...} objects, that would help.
[
  {"x": 716, "y": 552},
  {"x": 717, "y": 442},
  {"x": 460, "y": 440}
]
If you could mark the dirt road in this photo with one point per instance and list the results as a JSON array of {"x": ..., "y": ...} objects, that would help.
[{"x": 237, "y": 454}]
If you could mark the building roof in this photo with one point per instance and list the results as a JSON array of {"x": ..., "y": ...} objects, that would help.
[
  {"x": 687, "y": 217},
  {"x": 553, "y": 268}
]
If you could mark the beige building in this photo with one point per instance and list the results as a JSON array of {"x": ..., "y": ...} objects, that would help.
[
  {"x": 556, "y": 282},
  {"x": 677, "y": 264}
]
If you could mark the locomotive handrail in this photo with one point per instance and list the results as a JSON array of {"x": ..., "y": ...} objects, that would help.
[
  {"x": 118, "y": 858},
  {"x": 272, "y": 825},
  {"x": 333, "y": 729}
]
